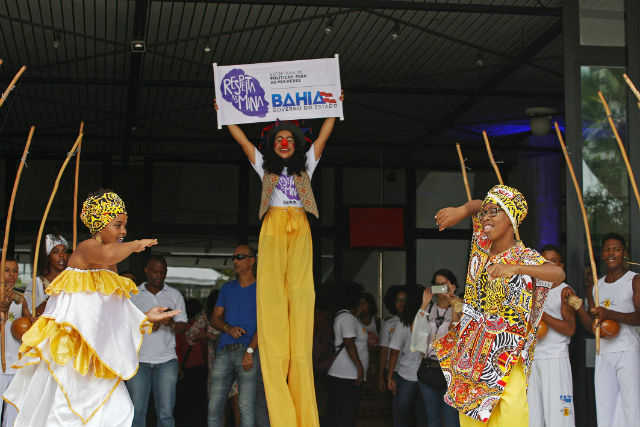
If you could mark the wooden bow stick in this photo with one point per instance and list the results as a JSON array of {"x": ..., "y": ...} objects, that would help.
[
  {"x": 12, "y": 84},
  {"x": 44, "y": 219},
  {"x": 464, "y": 172},
  {"x": 75, "y": 196},
  {"x": 632, "y": 87},
  {"x": 623, "y": 151},
  {"x": 495, "y": 168},
  {"x": 585, "y": 220},
  {"x": 5, "y": 244}
]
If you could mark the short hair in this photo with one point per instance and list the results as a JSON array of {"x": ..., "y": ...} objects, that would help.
[
  {"x": 614, "y": 236},
  {"x": 156, "y": 258},
  {"x": 551, "y": 247},
  {"x": 349, "y": 296},
  {"x": 368, "y": 297}
]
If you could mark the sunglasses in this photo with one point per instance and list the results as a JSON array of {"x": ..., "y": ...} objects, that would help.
[{"x": 240, "y": 257}]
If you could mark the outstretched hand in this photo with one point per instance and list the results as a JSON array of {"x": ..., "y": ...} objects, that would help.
[
  {"x": 448, "y": 217},
  {"x": 145, "y": 243},
  {"x": 158, "y": 314},
  {"x": 215, "y": 105}
]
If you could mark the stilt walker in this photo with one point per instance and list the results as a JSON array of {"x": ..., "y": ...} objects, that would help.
[{"x": 285, "y": 294}]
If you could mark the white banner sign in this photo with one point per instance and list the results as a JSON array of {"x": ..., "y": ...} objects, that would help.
[{"x": 289, "y": 90}]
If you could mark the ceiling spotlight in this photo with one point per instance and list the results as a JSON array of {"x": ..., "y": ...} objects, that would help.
[
  {"x": 540, "y": 119},
  {"x": 479, "y": 59},
  {"x": 207, "y": 48},
  {"x": 395, "y": 32},
  {"x": 137, "y": 46},
  {"x": 56, "y": 41},
  {"x": 329, "y": 28}
]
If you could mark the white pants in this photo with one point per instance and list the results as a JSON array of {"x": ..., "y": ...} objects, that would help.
[
  {"x": 7, "y": 410},
  {"x": 550, "y": 393},
  {"x": 617, "y": 381}
]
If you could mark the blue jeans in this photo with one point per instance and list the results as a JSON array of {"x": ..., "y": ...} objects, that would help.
[
  {"x": 163, "y": 378},
  {"x": 226, "y": 368},
  {"x": 405, "y": 401},
  {"x": 437, "y": 410}
]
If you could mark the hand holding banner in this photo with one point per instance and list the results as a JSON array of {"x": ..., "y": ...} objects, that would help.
[{"x": 289, "y": 90}]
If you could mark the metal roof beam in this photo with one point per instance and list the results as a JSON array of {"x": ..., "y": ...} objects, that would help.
[
  {"x": 489, "y": 86},
  {"x": 372, "y": 89},
  {"x": 402, "y": 5},
  {"x": 135, "y": 70}
]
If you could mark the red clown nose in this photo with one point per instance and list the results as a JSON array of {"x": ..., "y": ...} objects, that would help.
[{"x": 284, "y": 143}]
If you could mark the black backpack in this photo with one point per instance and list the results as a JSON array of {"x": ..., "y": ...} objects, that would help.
[{"x": 324, "y": 350}]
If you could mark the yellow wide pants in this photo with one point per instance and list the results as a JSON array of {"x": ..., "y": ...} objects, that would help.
[
  {"x": 285, "y": 303},
  {"x": 512, "y": 409}
]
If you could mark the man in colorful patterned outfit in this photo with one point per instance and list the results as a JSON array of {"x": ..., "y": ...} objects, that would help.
[{"x": 486, "y": 357}]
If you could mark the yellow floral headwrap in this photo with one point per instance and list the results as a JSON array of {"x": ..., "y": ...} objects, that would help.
[
  {"x": 99, "y": 211},
  {"x": 510, "y": 200}
]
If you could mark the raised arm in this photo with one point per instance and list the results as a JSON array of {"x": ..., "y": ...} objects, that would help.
[
  {"x": 237, "y": 134},
  {"x": 448, "y": 217},
  {"x": 325, "y": 133}
]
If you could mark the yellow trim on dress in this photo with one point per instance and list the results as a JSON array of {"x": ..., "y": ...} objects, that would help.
[
  {"x": 53, "y": 375},
  {"x": 65, "y": 342},
  {"x": 106, "y": 282}
]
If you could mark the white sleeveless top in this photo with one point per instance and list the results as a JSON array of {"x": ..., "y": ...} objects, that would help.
[
  {"x": 554, "y": 345},
  {"x": 618, "y": 296}
]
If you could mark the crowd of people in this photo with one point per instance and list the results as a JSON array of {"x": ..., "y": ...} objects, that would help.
[
  {"x": 203, "y": 354},
  {"x": 212, "y": 358}
]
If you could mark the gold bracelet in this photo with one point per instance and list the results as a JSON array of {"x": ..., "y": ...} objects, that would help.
[{"x": 226, "y": 326}]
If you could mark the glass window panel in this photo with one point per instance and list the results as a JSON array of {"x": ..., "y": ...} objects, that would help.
[
  {"x": 434, "y": 254},
  {"x": 604, "y": 176},
  {"x": 602, "y": 23},
  {"x": 362, "y": 266},
  {"x": 436, "y": 190},
  {"x": 361, "y": 186}
]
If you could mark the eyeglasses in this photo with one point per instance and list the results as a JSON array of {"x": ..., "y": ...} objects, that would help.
[
  {"x": 401, "y": 299},
  {"x": 490, "y": 213},
  {"x": 240, "y": 257}
]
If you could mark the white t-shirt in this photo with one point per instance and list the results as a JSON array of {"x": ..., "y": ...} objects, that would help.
[
  {"x": 12, "y": 344},
  {"x": 408, "y": 362},
  {"x": 372, "y": 332},
  {"x": 618, "y": 296},
  {"x": 554, "y": 345},
  {"x": 41, "y": 295},
  {"x": 285, "y": 194},
  {"x": 160, "y": 346},
  {"x": 387, "y": 329},
  {"x": 437, "y": 315},
  {"x": 346, "y": 325}
]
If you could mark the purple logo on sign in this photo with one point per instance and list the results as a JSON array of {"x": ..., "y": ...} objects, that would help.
[
  {"x": 245, "y": 93},
  {"x": 288, "y": 187}
]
